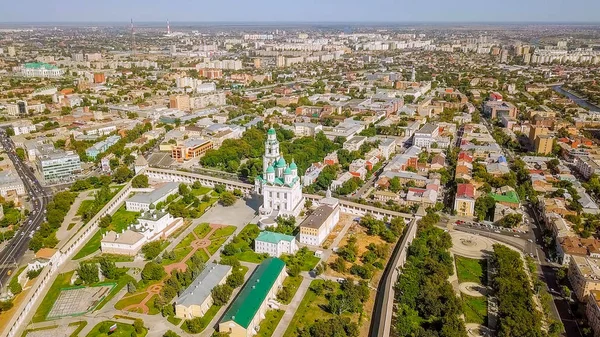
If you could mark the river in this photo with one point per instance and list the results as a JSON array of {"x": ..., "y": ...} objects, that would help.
[{"x": 578, "y": 100}]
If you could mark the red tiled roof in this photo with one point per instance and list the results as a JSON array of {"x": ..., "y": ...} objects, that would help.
[{"x": 465, "y": 190}]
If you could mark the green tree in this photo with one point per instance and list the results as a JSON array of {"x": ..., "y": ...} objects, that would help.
[
  {"x": 152, "y": 249},
  {"x": 88, "y": 273},
  {"x": 140, "y": 181},
  {"x": 227, "y": 198},
  {"x": 152, "y": 271},
  {"x": 221, "y": 294},
  {"x": 122, "y": 174}
]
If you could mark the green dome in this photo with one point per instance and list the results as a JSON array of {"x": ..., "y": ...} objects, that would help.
[
  {"x": 271, "y": 131},
  {"x": 281, "y": 162},
  {"x": 270, "y": 169},
  {"x": 287, "y": 171},
  {"x": 293, "y": 166}
]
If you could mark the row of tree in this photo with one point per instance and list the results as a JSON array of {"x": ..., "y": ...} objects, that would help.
[
  {"x": 426, "y": 302},
  {"x": 517, "y": 313}
]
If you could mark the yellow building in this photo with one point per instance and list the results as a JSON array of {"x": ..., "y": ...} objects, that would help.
[
  {"x": 543, "y": 144},
  {"x": 197, "y": 298},
  {"x": 592, "y": 311},
  {"x": 584, "y": 275}
]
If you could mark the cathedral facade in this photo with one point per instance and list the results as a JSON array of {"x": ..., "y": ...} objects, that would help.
[{"x": 279, "y": 184}]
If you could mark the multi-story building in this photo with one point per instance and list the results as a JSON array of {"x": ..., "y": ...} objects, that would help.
[
  {"x": 181, "y": 102},
  {"x": 317, "y": 226},
  {"x": 190, "y": 148},
  {"x": 543, "y": 144},
  {"x": 10, "y": 184},
  {"x": 354, "y": 143},
  {"x": 59, "y": 166},
  {"x": 197, "y": 298},
  {"x": 304, "y": 129},
  {"x": 584, "y": 275},
  {"x": 464, "y": 201},
  {"x": 592, "y": 311},
  {"x": 39, "y": 69},
  {"x": 275, "y": 244},
  {"x": 426, "y": 136},
  {"x": 100, "y": 147},
  {"x": 587, "y": 166},
  {"x": 23, "y": 127},
  {"x": 243, "y": 317},
  {"x": 206, "y": 100},
  {"x": 497, "y": 109},
  {"x": 18, "y": 109}
]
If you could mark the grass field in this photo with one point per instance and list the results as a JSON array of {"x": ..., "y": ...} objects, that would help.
[
  {"x": 292, "y": 283},
  {"x": 129, "y": 300},
  {"x": 174, "y": 320},
  {"x": 120, "y": 221},
  {"x": 202, "y": 229},
  {"x": 470, "y": 270},
  {"x": 200, "y": 191},
  {"x": 311, "y": 309},
  {"x": 121, "y": 282},
  {"x": 62, "y": 281},
  {"x": 123, "y": 330},
  {"x": 269, "y": 324},
  {"x": 250, "y": 256},
  {"x": 475, "y": 309},
  {"x": 219, "y": 237},
  {"x": 181, "y": 250},
  {"x": 84, "y": 206},
  {"x": 205, "y": 320}
]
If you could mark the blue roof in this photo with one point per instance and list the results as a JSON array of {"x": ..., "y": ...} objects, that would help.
[
  {"x": 270, "y": 169},
  {"x": 501, "y": 159}
]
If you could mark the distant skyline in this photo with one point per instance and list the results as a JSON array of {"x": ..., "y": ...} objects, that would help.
[{"x": 301, "y": 11}]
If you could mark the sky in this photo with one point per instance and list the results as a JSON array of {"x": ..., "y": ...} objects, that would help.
[{"x": 300, "y": 10}]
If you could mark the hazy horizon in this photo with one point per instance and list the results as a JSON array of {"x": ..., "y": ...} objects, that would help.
[{"x": 311, "y": 11}]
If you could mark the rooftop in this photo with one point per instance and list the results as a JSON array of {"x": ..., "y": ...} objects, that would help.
[
  {"x": 202, "y": 286},
  {"x": 149, "y": 198},
  {"x": 317, "y": 217},
  {"x": 246, "y": 304},
  {"x": 275, "y": 238}
]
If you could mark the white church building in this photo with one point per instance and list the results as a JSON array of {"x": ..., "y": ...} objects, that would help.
[{"x": 279, "y": 184}]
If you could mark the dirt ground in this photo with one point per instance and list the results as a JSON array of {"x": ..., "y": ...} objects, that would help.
[{"x": 344, "y": 219}]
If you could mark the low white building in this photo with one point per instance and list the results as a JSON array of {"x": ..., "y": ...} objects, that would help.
[
  {"x": 275, "y": 244},
  {"x": 150, "y": 226},
  {"x": 142, "y": 201},
  {"x": 23, "y": 127}
]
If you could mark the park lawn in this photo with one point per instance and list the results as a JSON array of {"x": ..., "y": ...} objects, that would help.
[
  {"x": 269, "y": 324},
  {"x": 219, "y": 237},
  {"x": 123, "y": 330},
  {"x": 152, "y": 309},
  {"x": 84, "y": 206},
  {"x": 201, "y": 254},
  {"x": 470, "y": 270},
  {"x": 202, "y": 229},
  {"x": 250, "y": 256},
  {"x": 121, "y": 282},
  {"x": 111, "y": 257},
  {"x": 200, "y": 191},
  {"x": 181, "y": 250},
  {"x": 174, "y": 320},
  {"x": 129, "y": 300},
  {"x": 120, "y": 221},
  {"x": 475, "y": 309},
  {"x": 61, "y": 281},
  {"x": 292, "y": 283}
]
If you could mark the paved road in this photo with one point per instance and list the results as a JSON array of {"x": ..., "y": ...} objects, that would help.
[{"x": 13, "y": 252}]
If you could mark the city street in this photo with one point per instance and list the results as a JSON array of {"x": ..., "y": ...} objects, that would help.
[{"x": 13, "y": 252}]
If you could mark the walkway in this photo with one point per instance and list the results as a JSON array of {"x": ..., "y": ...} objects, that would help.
[
  {"x": 65, "y": 233},
  {"x": 198, "y": 243},
  {"x": 285, "y": 321}
]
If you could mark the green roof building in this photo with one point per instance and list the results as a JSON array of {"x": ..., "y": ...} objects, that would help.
[
  {"x": 508, "y": 198},
  {"x": 275, "y": 244},
  {"x": 245, "y": 313}
]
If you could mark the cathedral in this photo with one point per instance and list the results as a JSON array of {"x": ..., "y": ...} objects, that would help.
[{"x": 279, "y": 184}]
